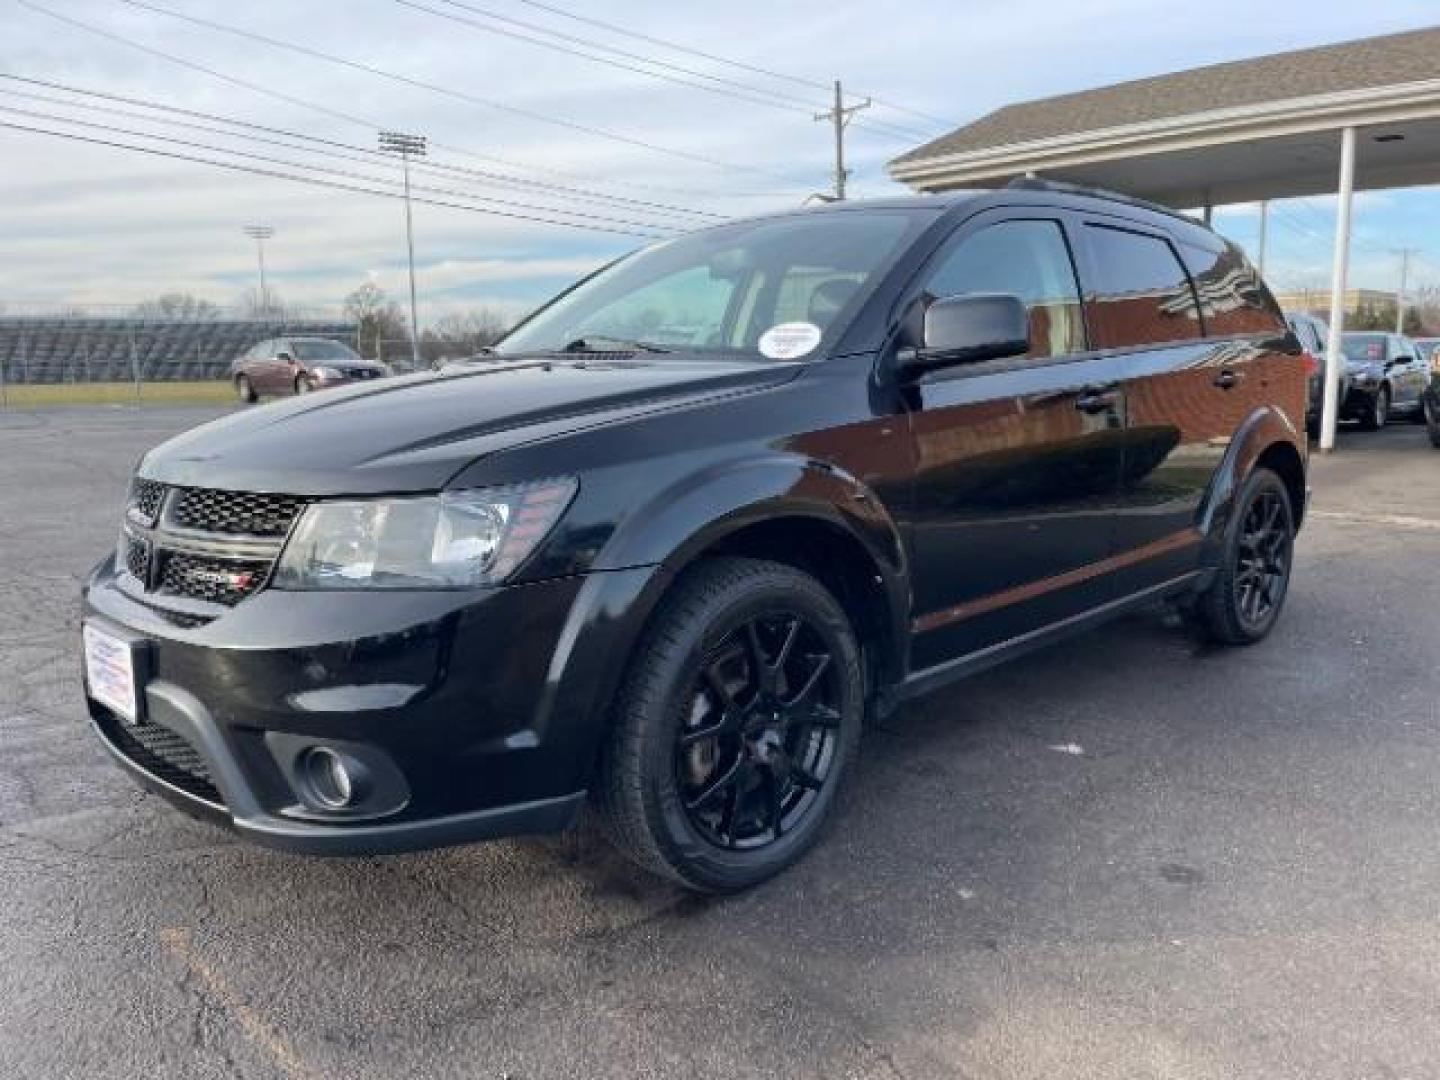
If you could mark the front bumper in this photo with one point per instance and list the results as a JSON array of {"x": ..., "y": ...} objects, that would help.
[{"x": 476, "y": 710}]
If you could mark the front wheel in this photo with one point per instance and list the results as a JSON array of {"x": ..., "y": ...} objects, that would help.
[
  {"x": 1432, "y": 422},
  {"x": 1242, "y": 603},
  {"x": 244, "y": 390},
  {"x": 735, "y": 727},
  {"x": 1378, "y": 412},
  {"x": 303, "y": 385}
]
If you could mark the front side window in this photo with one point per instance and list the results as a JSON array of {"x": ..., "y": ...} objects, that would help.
[
  {"x": 1141, "y": 294},
  {"x": 1028, "y": 259},
  {"x": 724, "y": 288}
]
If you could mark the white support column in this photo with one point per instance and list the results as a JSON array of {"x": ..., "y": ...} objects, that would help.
[
  {"x": 1330, "y": 412},
  {"x": 1264, "y": 234}
]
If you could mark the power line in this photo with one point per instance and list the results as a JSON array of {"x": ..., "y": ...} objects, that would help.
[
  {"x": 730, "y": 88},
  {"x": 369, "y": 124},
  {"x": 446, "y": 91},
  {"x": 594, "y": 223},
  {"x": 798, "y": 80},
  {"x": 343, "y": 150},
  {"x": 326, "y": 169}
]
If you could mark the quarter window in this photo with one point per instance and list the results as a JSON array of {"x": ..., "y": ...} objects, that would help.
[
  {"x": 1233, "y": 299},
  {"x": 1141, "y": 294},
  {"x": 1028, "y": 259}
]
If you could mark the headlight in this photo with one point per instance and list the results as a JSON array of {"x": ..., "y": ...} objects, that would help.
[
  {"x": 326, "y": 372},
  {"x": 457, "y": 540}
]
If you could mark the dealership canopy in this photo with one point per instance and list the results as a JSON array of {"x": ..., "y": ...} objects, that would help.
[{"x": 1357, "y": 115}]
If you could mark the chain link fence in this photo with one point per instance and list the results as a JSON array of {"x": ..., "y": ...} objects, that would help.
[{"x": 103, "y": 357}]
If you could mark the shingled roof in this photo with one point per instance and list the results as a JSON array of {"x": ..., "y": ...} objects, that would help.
[{"x": 1395, "y": 59}]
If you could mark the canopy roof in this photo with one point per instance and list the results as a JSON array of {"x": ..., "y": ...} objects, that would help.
[{"x": 1250, "y": 129}]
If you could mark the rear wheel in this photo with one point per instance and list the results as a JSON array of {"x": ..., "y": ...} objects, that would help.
[
  {"x": 1378, "y": 411},
  {"x": 244, "y": 390},
  {"x": 1242, "y": 603},
  {"x": 735, "y": 727}
]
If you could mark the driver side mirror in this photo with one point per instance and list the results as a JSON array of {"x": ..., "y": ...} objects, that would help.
[{"x": 967, "y": 330}]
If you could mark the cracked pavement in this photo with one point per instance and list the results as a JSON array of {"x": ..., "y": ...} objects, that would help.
[{"x": 1124, "y": 856}]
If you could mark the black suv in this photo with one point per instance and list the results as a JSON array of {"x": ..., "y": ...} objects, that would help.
[{"x": 693, "y": 520}]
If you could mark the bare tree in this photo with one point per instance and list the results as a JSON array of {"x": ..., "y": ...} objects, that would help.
[
  {"x": 462, "y": 334},
  {"x": 378, "y": 320},
  {"x": 175, "y": 306}
]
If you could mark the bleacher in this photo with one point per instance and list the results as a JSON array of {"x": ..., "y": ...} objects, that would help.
[{"x": 84, "y": 348}]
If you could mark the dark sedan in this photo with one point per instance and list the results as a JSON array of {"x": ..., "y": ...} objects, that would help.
[
  {"x": 1387, "y": 378},
  {"x": 298, "y": 365},
  {"x": 1430, "y": 400}
]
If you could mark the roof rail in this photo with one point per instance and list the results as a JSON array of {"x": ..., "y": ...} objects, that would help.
[{"x": 1065, "y": 187}]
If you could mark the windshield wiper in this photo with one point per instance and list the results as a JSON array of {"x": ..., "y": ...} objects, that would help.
[{"x": 600, "y": 343}]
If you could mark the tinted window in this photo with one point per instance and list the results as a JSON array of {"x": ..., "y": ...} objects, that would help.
[
  {"x": 1141, "y": 294},
  {"x": 1233, "y": 299},
  {"x": 1028, "y": 259}
]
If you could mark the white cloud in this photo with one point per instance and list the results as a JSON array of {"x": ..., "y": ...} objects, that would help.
[{"x": 90, "y": 223}]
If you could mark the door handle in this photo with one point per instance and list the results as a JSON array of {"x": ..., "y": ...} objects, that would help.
[
  {"x": 1092, "y": 401},
  {"x": 1227, "y": 380}
]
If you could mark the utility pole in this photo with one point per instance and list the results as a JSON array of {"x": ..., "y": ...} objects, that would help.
[
  {"x": 261, "y": 233},
  {"x": 1404, "y": 254},
  {"x": 408, "y": 146},
  {"x": 840, "y": 116}
]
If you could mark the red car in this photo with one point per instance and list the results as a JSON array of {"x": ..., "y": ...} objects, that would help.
[{"x": 298, "y": 365}]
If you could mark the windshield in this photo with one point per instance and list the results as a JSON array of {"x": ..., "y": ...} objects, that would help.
[
  {"x": 772, "y": 288},
  {"x": 323, "y": 350},
  {"x": 1364, "y": 348}
]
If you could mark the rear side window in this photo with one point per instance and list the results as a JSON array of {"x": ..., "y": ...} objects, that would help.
[
  {"x": 1140, "y": 294},
  {"x": 1233, "y": 299},
  {"x": 1028, "y": 259}
]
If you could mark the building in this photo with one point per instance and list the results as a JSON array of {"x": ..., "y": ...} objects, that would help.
[{"x": 1317, "y": 301}]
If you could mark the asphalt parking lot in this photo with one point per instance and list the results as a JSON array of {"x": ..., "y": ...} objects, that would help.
[{"x": 1127, "y": 856}]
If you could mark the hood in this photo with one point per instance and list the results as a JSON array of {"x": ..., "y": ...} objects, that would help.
[{"x": 413, "y": 433}]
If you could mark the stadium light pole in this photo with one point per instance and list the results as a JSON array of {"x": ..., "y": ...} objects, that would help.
[
  {"x": 261, "y": 233},
  {"x": 408, "y": 146}
]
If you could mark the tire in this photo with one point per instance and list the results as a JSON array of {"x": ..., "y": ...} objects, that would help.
[
  {"x": 1378, "y": 411},
  {"x": 302, "y": 385},
  {"x": 244, "y": 390},
  {"x": 1227, "y": 610},
  {"x": 1432, "y": 423},
  {"x": 711, "y": 775}
]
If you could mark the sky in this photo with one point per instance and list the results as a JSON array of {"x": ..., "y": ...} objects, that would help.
[{"x": 610, "y": 157}]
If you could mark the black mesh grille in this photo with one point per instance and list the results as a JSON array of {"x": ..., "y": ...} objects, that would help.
[
  {"x": 220, "y": 581},
  {"x": 137, "y": 557},
  {"x": 163, "y": 754},
  {"x": 237, "y": 512},
  {"x": 145, "y": 498}
]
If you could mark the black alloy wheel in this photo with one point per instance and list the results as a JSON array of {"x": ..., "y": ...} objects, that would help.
[
  {"x": 734, "y": 727},
  {"x": 758, "y": 741},
  {"x": 1263, "y": 559},
  {"x": 1379, "y": 412},
  {"x": 1244, "y": 600}
]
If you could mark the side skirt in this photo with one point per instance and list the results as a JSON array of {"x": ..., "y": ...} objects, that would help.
[{"x": 919, "y": 683}]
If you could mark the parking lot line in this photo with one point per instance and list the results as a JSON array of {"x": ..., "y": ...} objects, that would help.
[
  {"x": 1392, "y": 521},
  {"x": 256, "y": 1028}
]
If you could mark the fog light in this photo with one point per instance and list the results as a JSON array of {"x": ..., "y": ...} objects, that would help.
[{"x": 329, "y": 777}]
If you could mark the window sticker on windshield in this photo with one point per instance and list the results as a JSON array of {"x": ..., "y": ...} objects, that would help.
[{"x": 789, "y": 340}]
